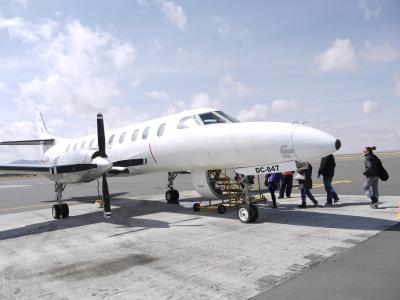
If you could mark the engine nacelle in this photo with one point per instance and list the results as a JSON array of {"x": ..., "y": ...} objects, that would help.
[
  {"x": 75, "y": 157},
  {"x": 78, "y": 157}
]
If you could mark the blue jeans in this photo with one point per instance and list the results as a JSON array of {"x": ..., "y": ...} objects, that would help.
[
  {"x": 330, "y": 192},
  {"x": 371, "y": 188}
]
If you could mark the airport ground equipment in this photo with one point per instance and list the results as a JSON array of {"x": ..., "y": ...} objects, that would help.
[{"x": 241, "y": 195}]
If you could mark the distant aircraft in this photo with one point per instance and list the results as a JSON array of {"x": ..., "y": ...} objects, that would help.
[{"x": 193, "y": 141}]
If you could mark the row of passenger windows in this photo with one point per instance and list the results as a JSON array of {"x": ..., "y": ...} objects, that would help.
[
  {"x": 121, "y": 139},
  {"x": 186, "y": 122}
]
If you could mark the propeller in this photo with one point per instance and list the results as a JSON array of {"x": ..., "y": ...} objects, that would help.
[{"x": 102, "y": 153}]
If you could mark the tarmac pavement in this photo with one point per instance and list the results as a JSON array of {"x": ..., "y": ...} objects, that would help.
[{"x": 153, "y": 250}]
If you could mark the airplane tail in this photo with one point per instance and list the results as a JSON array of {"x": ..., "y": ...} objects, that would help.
[{"x": 43, "y": 132}]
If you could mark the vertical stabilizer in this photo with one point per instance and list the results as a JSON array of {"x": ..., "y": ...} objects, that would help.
[{"x": 43, "y": 133}]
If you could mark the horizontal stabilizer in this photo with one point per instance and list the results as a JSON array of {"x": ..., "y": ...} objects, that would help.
[
  {"x": 130, "y": 162},
  {"x": 44, "y": 170},
  {"x": 28, "y": 142}
]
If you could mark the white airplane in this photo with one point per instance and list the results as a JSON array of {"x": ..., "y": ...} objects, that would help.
[{"x": 193, "y": 141}]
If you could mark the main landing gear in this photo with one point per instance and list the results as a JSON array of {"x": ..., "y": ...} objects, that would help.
[
  {"x": 172, "y": 195},
  {"x": 247, "y": 213},
  {"x": 60, "y": 210}
]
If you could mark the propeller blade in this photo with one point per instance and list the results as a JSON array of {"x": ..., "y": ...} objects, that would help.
[
  {"x": 101, "y": 137},
  {"x": 106, "y": 198}
]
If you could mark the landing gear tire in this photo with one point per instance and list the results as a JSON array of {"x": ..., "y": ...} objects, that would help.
[
  {"x": 221, "y": 209},
  {"x": 245, "y": 214},
  {"x": 254, "y": 209},
  {"x": 196, "y": 207},
  {"x": 56, "y": 211},
  {"x": 172, "y": 196},
  {"x": 64, "y": 210}
]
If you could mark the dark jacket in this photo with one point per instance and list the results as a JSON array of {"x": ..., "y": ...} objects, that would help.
[
  {"x": 371, "y": 163},
  {"x": 327, "y": 166},
  {"x": 307, "y": 173}
]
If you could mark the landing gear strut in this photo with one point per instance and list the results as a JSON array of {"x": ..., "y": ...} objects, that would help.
[
  {"x": 247, "y": 213},
  {"x": 172, "y": 195},
  {"x": 60, "y": 210}
]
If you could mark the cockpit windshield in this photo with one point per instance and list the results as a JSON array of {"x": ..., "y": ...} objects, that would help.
[
  {"x": 226, "y": 116},
  {"x": 216, "y": 118}
]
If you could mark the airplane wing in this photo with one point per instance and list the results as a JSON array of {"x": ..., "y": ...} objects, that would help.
[
  {"x": 44, "y": 169},
  {"x": 27, "y": 142}
]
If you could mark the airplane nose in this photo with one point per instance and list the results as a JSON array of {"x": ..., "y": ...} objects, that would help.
[{"x": 310, "y": 143}]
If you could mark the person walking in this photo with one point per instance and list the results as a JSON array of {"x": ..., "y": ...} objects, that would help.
[
  {"x": 372, "y": 163},
  {"x": 273, "y": 184},
  {"x": 306, "y": 186},
  {"x": 286, "y": 184},
  {"x": 327, "y": 170}
]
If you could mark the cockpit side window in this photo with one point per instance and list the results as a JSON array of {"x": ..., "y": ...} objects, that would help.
[
  {"x": 188, "y": 122},
  {"x": 226, "y": 116},
  {"x": 210, "y": 118}
]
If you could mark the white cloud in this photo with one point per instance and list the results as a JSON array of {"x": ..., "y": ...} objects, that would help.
[
  {"x": 340, "y": 57},
  {"x": 228, "y": 86},
  {"x": 20, "y": 130},
  {"x": 371, "y": 8},
  {"x": 122, "y": 54},
  {"x": 155, "y": 45},
  {"x": 2, "y": 87},
  {"x": 174, "y": 14},
  {"x": 384, "y": 53},
  {"x": 370, "y": 107},
  {"x": 79, "y": 66},
  {"x": 259, "y": 112},
  {"x": 157, "y": 95},
  {"x": 282, "y": 105},
  {"x": 203, "y": 100},
  {"x": 225, "y": 28},
  {"x": 396, "y": 85},
  {"x": 175, "y": 107}
]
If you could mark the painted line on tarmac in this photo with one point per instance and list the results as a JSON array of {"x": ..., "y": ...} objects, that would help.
[
  {"x": 319, "y": 185},
  {"x": 14, "y": 186}
]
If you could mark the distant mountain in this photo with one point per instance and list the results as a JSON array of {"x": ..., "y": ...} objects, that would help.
[{"x": 26, "y": 162}]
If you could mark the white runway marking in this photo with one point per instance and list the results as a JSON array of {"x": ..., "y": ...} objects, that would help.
[{"x": 14, "y": 186}]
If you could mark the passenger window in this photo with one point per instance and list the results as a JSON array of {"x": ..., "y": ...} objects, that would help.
[
  {"x": 67, "y": 150},
  {"x": 110, "y": 140},
  {"x": 210, "y": 118},
  {"x": 83, "y": 145},
  {"x": 122, "y": 137},
  {"x": 91, "y": 144},
  {"x": 188, "y": 122},
  {"x": 145, "y": 133},
  {"x": 160, "y": 130},
  {"x": 134, "y": 135},
  {"x": 75, "y": 146}
]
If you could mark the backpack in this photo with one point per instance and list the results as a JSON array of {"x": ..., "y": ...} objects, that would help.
[{"x": 382, "y": 174}]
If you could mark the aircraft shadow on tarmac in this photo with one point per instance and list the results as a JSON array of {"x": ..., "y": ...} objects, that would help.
[{"x": 127, "y": 212}]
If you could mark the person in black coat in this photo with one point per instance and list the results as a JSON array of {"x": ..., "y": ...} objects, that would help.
[
  {"x": 327, "y": 170},
  {"x": 306, "y": 186},
  {"x": 371, "y": 163}
]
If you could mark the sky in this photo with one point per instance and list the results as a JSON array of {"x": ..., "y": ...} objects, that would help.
[{"x": 333, "y": 64}]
